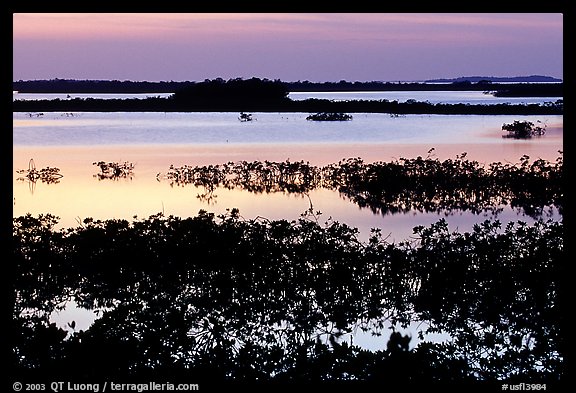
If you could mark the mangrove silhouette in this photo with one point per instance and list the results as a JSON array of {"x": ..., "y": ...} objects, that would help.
[
  {"x": 525, "y": 90},
  {"x": 224, "y": 298},
  {"x": 48, "y": 175},
  {"x": 245, "y": 117},
  {"x": 400, "y": 186},
  {"x": 229, "y": 299},
  {"x": 238, "y": 93},
  {"x": 114, "y": 170},
  {"x": 251, "y": 95},
  {"x": 332, "y": 116},
  {"x": 523, "y": 129}
]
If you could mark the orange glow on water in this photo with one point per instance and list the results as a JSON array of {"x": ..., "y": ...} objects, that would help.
[{"x": 79, "y": 194}]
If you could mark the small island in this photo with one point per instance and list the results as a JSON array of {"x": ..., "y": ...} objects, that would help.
[
  {"x": 329, "y": 116},
  {"x": 522, "y": 129}
]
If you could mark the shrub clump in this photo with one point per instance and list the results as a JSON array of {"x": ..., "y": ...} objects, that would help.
[
  {"x": 329, "y": 116},
  {"x": 522, "y": 129}
]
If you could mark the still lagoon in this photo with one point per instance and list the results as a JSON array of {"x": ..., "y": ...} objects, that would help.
[{"x": 153, "y": 142}]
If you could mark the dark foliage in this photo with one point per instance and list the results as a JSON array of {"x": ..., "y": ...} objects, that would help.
[
  {"x": 229, "y": 299},
  {"x": 534, "y": 88},
  {"x": 45, "y": 175},
  {"x": 420, "y": 107},
  {"x": 431, "y": 185},
  {"x": 522, "y": 129},
  {"x": 114, "y": 170},
  {"x": 245, "y": 117},
  {"x": 400, "y": 186},
  {"x": 157, "y": 104},
  {"x": 239, "y": 95},
  {"x": 530, "y": 90},
  {"x": 329, "y": 116}
]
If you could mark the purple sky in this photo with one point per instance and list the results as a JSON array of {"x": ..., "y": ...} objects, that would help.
[{"x": 290, "y": 47}]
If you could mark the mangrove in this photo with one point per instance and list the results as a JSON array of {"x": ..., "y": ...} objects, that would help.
[
  {"x": 216, "y": 298},
  {"x": 264, "y": 95},
  {"x": 229, "y": 299}
]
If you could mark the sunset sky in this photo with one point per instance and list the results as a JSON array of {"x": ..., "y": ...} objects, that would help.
[{"x": 290, "y": 47}]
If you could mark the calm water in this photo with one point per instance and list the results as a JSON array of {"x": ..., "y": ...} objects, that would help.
[
  {"x": 64, "y": 96},
  {"x": 221, "y": 128},
  {"x": 154, "y": 141},
  {"x": 434, "y": 97}
]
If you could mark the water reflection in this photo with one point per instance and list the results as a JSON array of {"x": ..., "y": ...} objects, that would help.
[
  {"x": 260, "y": 192},
  {"x": 450, "y": 97},
  {"x": 401, "y": 186},
  {"x": 232, "y": 299},
  {"x": 114, "y": 170},
  {"x": 276, "y": 290},
  {"x": 434, "y": 97},
  {"x": 284, "y": 296},
  {"x": 207, "y": 128}
]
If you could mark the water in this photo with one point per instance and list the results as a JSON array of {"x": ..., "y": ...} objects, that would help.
[
  {"x": 221, "y": 128},
  {"x": 154, "y": 141},
  {"x": 71, "y": 96},
  {"x": 433, "y": 97}
]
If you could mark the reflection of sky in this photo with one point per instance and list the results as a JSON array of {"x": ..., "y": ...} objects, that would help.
[
  {"x": 373, "y": 339},
  {"x": 79, "y": 194},
  {"x": 223, "y": 128},
  {"x": 154, "y": 141},
  {"x": 433, "y": 97},
  {"x": 64, "y": 96}
]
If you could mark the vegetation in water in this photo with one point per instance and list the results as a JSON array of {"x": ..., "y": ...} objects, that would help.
[
  {"x": 114, "y": 170},
  {"x": 45, "y": 175},
  {"x": 245, "y": 116},
  {"x": 329, "y": 116},
  {"x": 523, "y": 129},
  {"x": 224, "y": 298},
  {"x": 399, "y": 186}
]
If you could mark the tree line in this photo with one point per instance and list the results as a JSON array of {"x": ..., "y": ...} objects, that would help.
[
  {"x": 116, "y": 86},
  {"x": 240, "y": 95}
]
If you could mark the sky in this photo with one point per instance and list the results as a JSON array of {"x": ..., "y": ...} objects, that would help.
[{"x": 287, "y": 46}]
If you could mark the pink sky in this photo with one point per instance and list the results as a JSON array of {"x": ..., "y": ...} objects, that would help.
[{"x": 290, "y": 47}]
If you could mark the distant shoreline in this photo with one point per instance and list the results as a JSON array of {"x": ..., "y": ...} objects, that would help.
[
  {"x": 499, "y": 79},
  {"x": 157, "y": 104},
  {"x": 535, "y": 88},
  {"x": 264, "y": 95}
]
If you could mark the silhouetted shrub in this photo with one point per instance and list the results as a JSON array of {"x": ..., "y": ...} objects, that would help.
[
  {"x": 329, "y": 116},
  {"x": 522, "y": 129},
  {"x": 223, "y": 298}
]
